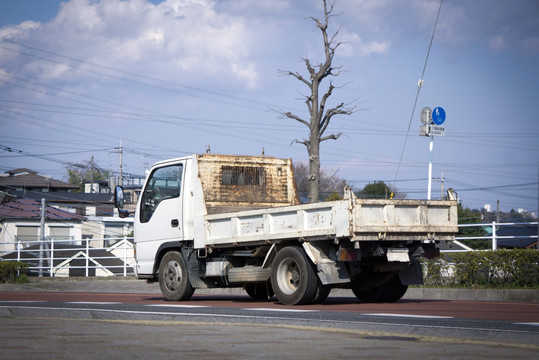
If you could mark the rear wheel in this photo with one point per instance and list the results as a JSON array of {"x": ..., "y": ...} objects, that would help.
[
  {"x": 398, "y": 290},
  {"x": 292, "y": 277},
  {"x": 389, "y": 291},
  {"x": 174, "y": 277},
  {"x": 260, "y": 291},
  {"x": 321, "y": 294}
]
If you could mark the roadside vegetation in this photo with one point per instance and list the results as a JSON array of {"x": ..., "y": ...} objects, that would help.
[
  {"x": 503, "y": 269},
  {"x": 13, "y": 272}
]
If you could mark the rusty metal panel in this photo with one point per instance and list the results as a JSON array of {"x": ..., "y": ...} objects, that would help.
[
  {"x": 404, "y": 219},
  {"x": 232, "y": 183}
]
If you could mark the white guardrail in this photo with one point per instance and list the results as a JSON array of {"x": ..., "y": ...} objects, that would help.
[
  {"x": 73, "y": 257},
  {"x": 115, "y": 256},
  {"x": 493, "y": 236}
]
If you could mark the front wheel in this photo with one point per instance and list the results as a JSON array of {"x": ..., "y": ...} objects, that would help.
[
  {"x": 174, "y": 277},
  {"x": 292, "y": 277}
]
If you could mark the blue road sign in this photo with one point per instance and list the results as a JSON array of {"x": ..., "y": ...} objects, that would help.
[{"x": 438, "y": 116}]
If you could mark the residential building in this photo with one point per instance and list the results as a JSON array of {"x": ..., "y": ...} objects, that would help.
[{"x": 20, "y": 224}]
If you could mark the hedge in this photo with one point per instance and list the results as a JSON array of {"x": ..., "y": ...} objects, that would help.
[
  {"x": 517, "y": 268},
  {"x": 12, "y": 271}
]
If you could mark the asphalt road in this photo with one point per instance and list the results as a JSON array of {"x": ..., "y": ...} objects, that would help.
[{"x": 54, "y": 324}]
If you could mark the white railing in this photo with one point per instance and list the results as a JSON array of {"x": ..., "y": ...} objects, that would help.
[
  {"x": 493, "y": 236},
  {"x": 63, "y": 258}
]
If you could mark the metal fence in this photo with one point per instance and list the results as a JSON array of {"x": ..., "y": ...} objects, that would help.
[
  {"x": 115, "y": 257},
  {"x": 68, "y": 257},
  {"x": 494, "y": 235}
]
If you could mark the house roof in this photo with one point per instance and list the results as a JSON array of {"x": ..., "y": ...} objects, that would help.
[
  {"x": 30, "y": 179},
  {"x": 65, "y": 197},
  {"x": 517, "y": 230},
  {"x": 28, "y": 209}
]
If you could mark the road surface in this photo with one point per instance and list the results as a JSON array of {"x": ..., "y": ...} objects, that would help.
[{"x": 108, "y": 325}]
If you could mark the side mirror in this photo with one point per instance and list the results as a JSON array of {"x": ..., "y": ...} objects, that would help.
[
  {"x": 119, "y": 202},
  {"x": 118, "y": 197}
]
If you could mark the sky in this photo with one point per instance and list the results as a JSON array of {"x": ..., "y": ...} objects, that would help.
[{"x": 166, "y": 79}]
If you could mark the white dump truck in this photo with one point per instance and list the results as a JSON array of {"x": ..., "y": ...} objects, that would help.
[{"x": 213, "y": 221}]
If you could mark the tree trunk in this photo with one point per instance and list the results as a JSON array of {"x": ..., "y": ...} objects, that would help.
[
  {"x": 314, "y": 145},
  {"x": 314, "y": 172}
]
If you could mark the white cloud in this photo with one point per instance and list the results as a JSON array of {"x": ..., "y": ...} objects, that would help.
[
  {"x": 20, "y": 30},
  {"x": 258, "y": 5},
  {"x": 497, "y": 43},
  {"x": 353, "y": 45},
  {"x": 172, "y": 36}
]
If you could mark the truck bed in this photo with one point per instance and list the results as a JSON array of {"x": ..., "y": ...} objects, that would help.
[{"x": 351, "y": 218}]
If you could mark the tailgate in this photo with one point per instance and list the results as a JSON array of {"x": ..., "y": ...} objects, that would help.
[{"x": 404, "y": 220}]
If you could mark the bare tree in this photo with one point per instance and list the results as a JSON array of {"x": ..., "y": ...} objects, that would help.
[
  {"x": 330, "y": 181},
  {"x": 320, "y": 117}
]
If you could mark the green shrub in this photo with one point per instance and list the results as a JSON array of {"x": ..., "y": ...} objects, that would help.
[
  {"x": 517, "y": 268},
  {"x": 12, "y": 271},
  {"x": 333, "y": 196}
]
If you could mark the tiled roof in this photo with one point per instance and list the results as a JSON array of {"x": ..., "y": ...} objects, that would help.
[
  {"x": 65, "y": 197},
  {"x": 30, "y": 179},
  {"x": 29, "y": 209}
]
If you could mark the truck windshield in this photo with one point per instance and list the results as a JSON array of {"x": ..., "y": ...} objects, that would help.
[{"x": 164, "y": 183}]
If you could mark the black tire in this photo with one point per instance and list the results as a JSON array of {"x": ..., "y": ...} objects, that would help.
[
  {"x": 321, "y": 294},
  {"x": 174, "y": 277},
  {"x": 398, "y": 290},
  {"x": 293, "y": 278},
  {"x": 389, "y": 291},
  {"x": 260, "y": 291}
]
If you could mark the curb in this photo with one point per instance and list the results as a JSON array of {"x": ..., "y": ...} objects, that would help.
[{"x": 133, "y": 285}]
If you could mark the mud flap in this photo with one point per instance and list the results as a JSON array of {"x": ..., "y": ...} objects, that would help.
[
  {"x": 329, "y": 271},
  {"x": 194, "y": 267},
  {"x": 412, "y": 275}
]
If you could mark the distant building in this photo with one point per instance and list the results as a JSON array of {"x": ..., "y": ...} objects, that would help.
[
  {"x": 20, "y": 221},
  {"x": 28, "y": 184},
  {"x": 26, "y": 181}
]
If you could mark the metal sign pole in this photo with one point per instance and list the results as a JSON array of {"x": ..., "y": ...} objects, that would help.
[
  {"x": 429, "y": 187},
  {"x": 431, "y": 127},
  {"x": 42, "y": 236}
]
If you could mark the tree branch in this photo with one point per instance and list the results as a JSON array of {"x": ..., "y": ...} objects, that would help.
[
  {"x": 289, "y": 115},
  {"x": 297, "y": 76},
  {"x": 325, "y": 97},
  {"x": 331, "y": 137},
  {"x": 304, "y": 142},
  {"x": 337, "y": 110}
]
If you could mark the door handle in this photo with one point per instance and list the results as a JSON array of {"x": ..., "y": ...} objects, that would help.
[{"x": 174, "y": 222}]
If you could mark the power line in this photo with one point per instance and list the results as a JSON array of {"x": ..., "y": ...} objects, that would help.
[
  {"x": 131, "y": 74},
  {"x": 419, "y": 86}
]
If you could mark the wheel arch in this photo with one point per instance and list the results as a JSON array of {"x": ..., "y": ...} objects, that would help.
[{"x": 163, "y": 249}]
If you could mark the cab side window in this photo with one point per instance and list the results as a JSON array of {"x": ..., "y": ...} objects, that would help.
[{"x": 164, "y": 183}]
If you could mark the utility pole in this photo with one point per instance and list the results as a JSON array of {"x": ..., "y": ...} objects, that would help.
[
  {"x": 497, "y": 211},
  {"x": 120, "y": 150},
  {"x": 442, "y": 186},
  {"x": 441, "y": 180},
  {"x": 42, "y": 236},
  {"x": 92, "y": 174}
]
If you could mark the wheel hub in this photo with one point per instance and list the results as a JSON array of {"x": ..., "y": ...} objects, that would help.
[{"x": 173, "y": 275}]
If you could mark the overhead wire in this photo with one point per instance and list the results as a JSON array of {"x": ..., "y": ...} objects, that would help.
[{"x": 419, "y": 86}]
